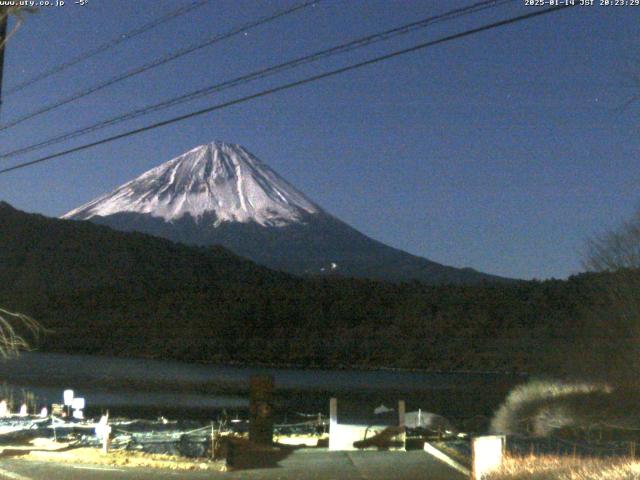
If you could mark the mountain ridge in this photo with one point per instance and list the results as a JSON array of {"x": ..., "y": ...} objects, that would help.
[
  {"x": 221, "y": 194},
  {"x": 217, "y": 177}
]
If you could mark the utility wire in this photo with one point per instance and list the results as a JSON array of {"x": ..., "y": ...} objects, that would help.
[
  {"x": 107, "y": 45},
  {"x": 288, "y": 86},
  {"x": 260, "y": 74},
  {"x": 158, "y": 62}
]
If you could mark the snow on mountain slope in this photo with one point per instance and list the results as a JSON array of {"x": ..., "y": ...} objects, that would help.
[
  {"x": 220, "y": 194},
  {"x": 220, "y": 178}
]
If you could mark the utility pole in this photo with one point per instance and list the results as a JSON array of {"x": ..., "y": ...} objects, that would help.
[{"x": 4, "y": 20}]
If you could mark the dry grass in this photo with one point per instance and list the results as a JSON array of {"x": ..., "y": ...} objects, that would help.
[
  {"x": 121, "y": 458},
  {"x": 567, "y": 468},
  {"x": 301, "y": 440}
]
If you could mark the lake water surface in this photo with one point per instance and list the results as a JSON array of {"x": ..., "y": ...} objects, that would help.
[{"x": 110, "y": 382}]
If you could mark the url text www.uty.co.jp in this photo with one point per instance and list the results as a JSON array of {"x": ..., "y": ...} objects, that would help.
[{"x": 41, "y": 3}]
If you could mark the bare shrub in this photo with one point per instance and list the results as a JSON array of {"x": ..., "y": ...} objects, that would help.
[
  {"x": 17, "y": 12},
  {"x": 540, "y": 407},
  {"x": 612, "y": 348},
  {"x": 13, "y": 329}
]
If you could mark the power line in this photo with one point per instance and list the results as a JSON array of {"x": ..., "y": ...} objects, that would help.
[
  {"x": 107, "y": 45},
  {"x": 158, "y": 62},
  {"x": 290, "y": 85},
  {"x": 263, "y": 73}
]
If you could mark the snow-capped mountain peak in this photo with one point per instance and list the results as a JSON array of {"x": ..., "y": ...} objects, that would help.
[{"x": 219, "y": 178}]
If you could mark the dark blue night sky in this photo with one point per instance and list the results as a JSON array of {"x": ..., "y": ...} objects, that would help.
[{"x": 503, "y": 151}]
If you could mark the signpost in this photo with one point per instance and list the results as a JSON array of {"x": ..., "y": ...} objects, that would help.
[
  {"x": 103, "y": 432},
  {"x": 261, "y": 410},
  {"x": 67, "y": 396},
  {"x": 486, "y": 455},
  {"x": 78, "y": 405}
]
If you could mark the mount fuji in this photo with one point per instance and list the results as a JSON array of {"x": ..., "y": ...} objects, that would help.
[{"x": 220, "y": 194}]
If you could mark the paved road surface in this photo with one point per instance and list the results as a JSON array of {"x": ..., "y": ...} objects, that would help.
[{"x": 301, "y": 465}]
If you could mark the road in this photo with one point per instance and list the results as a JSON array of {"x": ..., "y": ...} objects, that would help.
[{"x": 305, "y": 464}]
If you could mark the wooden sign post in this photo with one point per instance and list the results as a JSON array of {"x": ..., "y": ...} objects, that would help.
[{"x": 261, "y": 410}]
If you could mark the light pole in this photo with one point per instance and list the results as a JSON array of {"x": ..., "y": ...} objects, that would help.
[{"x": 4, "y": 20}]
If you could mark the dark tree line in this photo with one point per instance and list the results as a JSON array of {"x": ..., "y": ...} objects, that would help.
[{"x": 102, "y": 291}]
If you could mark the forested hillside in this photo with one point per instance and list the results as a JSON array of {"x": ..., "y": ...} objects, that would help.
[{"x": 103, "y": 291}]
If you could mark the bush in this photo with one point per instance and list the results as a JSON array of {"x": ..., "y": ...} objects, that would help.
[{"x": 540, "y": 407}]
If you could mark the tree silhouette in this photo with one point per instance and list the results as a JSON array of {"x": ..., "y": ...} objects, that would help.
[
  {"x": 11, "y": 324},
  {"x": 18, "y": 13},
  {"x": 11, "y": 342},
  {"x": 615, "y": 324}
]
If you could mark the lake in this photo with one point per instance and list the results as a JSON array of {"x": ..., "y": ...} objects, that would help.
[{"x": 152, "y": 387}]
